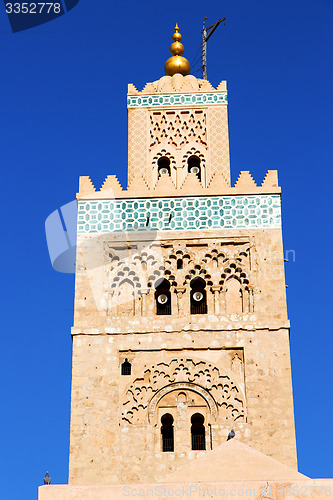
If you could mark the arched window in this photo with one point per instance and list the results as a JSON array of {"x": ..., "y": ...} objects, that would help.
[
  {"x": 193, "y": 166},
  {"x": 198, "y": 432},
  {"x": 198, "y": 296},
  {"x": 126, "y": 368},
  {"x": 163, "y": 298},
  {"x": 167, "y": 432},
  {"x": 163, "y": 165}
]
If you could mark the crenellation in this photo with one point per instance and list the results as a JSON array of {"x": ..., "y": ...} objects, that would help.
[
  {"x": 86, "y": 186},
  {"x": 112, "y": 187},
  {"x": 138, "y": 185},
  {"x": 177, "y": 83},
  {"x": 132, "y": 90},
  {"x": 245, "y": 181},
  {"x": 217, "y": 185},
  {"x": 270, "y": 180}
]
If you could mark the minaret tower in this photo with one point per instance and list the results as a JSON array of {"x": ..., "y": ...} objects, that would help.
[{"x": 181, "y": 330}]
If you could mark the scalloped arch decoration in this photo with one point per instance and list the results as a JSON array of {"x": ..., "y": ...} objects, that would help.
[{"x": 229, "y": 398}]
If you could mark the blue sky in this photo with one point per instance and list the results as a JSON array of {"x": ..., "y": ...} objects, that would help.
[{"x": 63, "y": 114}]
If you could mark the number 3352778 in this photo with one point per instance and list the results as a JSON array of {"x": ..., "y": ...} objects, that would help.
[{"x": 33, "y": 8}]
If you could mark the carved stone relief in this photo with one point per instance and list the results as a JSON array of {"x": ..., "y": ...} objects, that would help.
[
  {"x": 227, "y": 270},
  {"x": 178, "y": 128},
  {"x": 223, "y": 397}
]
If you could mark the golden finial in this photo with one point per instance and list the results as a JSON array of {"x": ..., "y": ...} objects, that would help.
[{"x": 177, "y": 63}]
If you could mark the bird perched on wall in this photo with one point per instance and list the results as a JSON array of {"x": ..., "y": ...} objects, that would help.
[
  {"x": 231, "y": 434},
  {"x": 47, "y": 479}
]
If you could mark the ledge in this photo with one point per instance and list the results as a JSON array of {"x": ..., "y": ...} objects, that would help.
[{"x": 141, "y": 325}]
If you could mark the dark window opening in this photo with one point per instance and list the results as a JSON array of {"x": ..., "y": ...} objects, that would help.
[
  {"x": 167, "y": 432},
  {"x": 163, "y": 165},
  {"x": 179, "y": 263},
  {"x": 198, "y": 296},
  {"x": 163, "y": 298},
  {"x": 198, "y": 432},
  {"x": 193, "y": 166},
  {"x": 126, "y": 368}
]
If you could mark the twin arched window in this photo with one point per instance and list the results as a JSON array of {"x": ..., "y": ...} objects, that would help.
[
  {"x": 198, "y": 298},
  {"x": 198, "y": 433},
  {"x": 193, "y": 166}
]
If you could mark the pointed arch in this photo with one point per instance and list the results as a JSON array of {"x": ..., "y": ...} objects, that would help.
[
  {"x": 233, "y": 296},
  {"x": 163, "y": 297},
  {"x": 198, "y": 296},
  {"x": 167, "y": 432},
  {"x": 195, "y": 156},
  {"x": 198, "y": 433},
  {"x": 123, "y": 298},
  {"x": 163, "y": 158}
]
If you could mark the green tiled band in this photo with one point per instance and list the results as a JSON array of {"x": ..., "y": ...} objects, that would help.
[
  {"x": 176, "y": 99},
  {"x": 190, "y": 213}
]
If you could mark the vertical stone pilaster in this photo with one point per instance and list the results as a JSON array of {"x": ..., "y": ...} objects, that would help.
[{"x": 216, "y": 292}]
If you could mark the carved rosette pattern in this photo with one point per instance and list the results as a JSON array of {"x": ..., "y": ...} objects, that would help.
[{"x": 229, "y": 399}]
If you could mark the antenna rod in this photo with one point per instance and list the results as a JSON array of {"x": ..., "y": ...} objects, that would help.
[
  {"x": 205, "y": 38},
  {"x": 204, "y": 51}
]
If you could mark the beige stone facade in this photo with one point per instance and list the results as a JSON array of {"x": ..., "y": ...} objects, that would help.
[{"x": 151, "y": 363}]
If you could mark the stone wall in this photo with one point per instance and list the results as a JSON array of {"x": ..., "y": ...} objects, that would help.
[{"x": 108, "y": 445}]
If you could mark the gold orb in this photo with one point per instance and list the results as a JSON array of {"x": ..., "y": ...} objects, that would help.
[
  {"x": 177, "y": 49},
  {"x": 177, "y": 64},
  {"x": 176, "y": 37}
]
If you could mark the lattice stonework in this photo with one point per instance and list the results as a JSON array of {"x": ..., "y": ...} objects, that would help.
[
  {"x": 190, "y": 213},
  {"x": 137, "y": 143},
  {"x": 178, "y": 128},
  {"x": 219, "y": 142},
  {"x": 157, "y": 100}
]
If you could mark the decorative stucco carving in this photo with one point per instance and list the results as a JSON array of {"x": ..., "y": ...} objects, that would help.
[
  {"x": 200, "y": 376},
  {"x": 214, "y": 262},
  {"x": 186, "y": 386},
  {"x": 178, "y": 128}
]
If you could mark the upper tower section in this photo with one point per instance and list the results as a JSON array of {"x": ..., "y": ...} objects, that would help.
[{"x": 178, "y": 127}]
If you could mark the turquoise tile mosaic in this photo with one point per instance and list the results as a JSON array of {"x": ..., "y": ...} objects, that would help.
[
  {"x": 156, "y": 100},
  {"x": 190, "y": 213}
]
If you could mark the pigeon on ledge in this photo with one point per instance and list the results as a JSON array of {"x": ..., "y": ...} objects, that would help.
[
  {"x": 47, "y": 479},
  {"x": 231, "y": 434}
]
